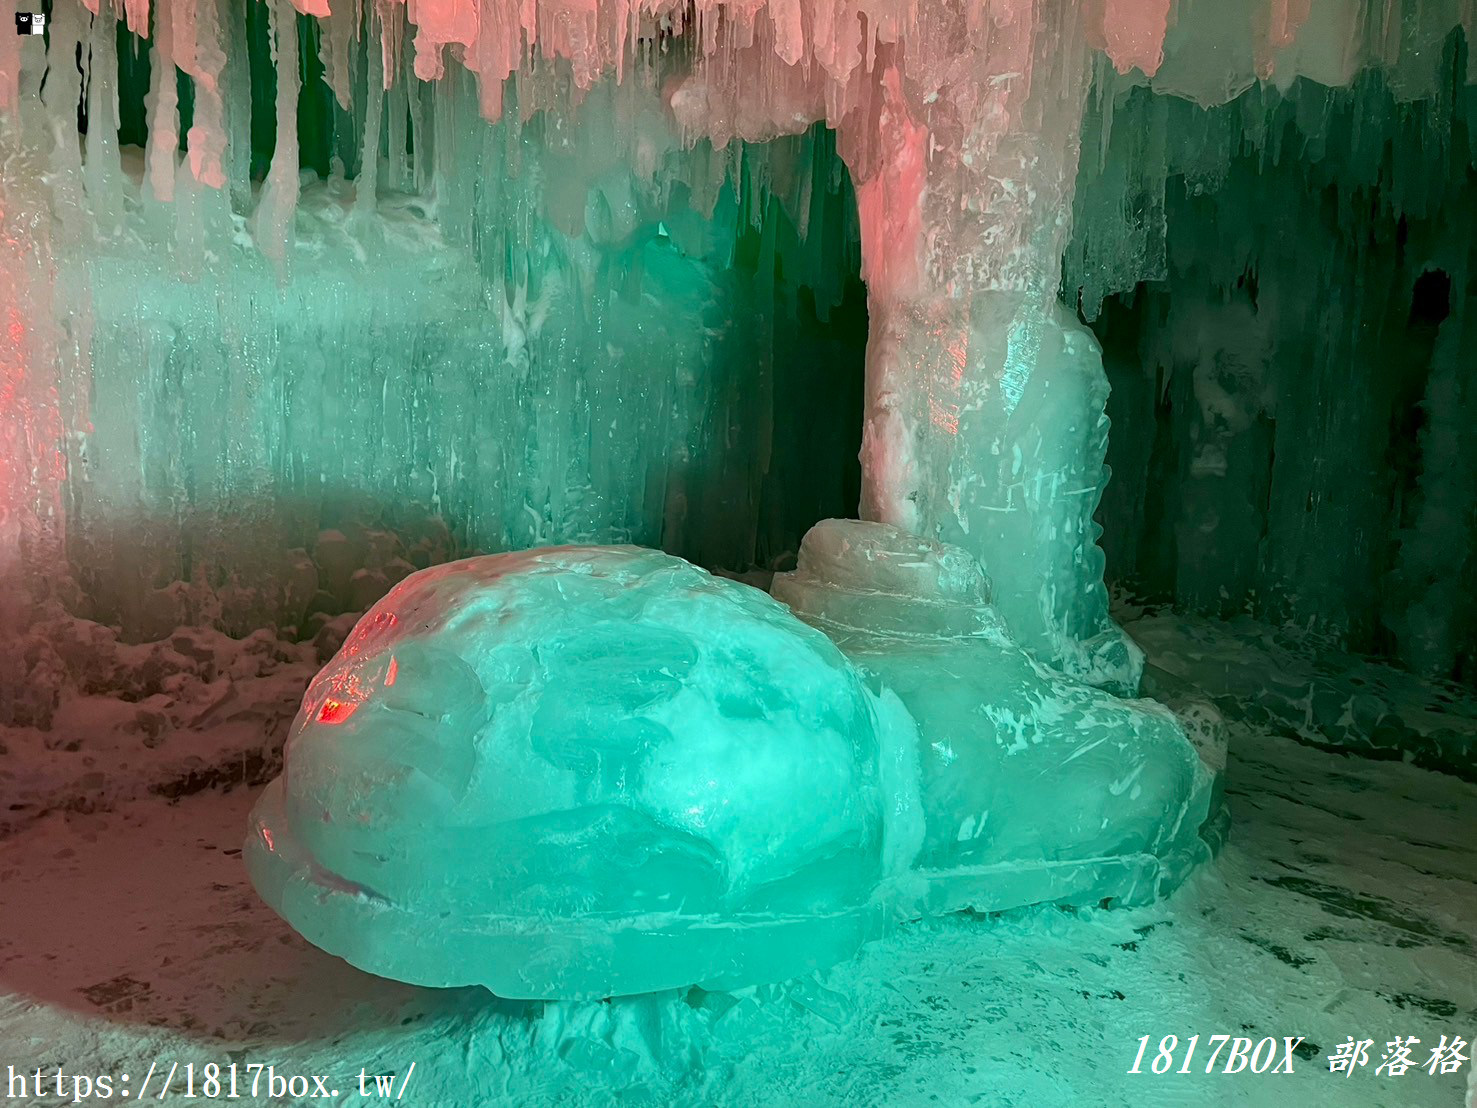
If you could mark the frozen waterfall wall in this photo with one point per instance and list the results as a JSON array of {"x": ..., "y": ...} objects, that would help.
[
  {"x": 574, "y": 270},
  {"x": 275, "y": 398}
]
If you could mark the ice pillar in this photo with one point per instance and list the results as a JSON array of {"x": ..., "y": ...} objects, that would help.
[
  {"x": 985, "y": 424},
  {"x": 31, "y": 435}
]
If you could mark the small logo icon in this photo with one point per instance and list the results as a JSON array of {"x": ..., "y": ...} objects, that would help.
[{"x": 30, "y": 23}]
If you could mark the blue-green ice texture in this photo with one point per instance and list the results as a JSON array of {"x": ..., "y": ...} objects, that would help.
[
  {"x": 1035, "y": 787},
  {"x": 581, "y": 772}
]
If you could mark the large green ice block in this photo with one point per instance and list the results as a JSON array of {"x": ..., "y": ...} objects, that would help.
[{"x": 582, "y": 772}]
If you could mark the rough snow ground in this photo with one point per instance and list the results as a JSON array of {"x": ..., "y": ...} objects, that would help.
[
  {"x": 1345, "y": 904},
  {"x": 88, "y": 722},
  {"x": 1304, "y": 687}
]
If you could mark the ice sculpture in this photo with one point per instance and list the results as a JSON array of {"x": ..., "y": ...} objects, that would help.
[
  {"x": 960, "y": 122},
  {"x": 522, "y": 220},
  {"x": 586, "y": 771},
  {"x": 1034, "y": 787}
]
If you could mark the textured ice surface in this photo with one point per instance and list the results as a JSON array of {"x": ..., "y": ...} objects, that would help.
[
  {"x": 989, "y": 433},
  {"x": 1279, "y": 451},
  {"x": 587, "y": 771},
  {"x": 1034, "y": 787},
  {"x": 1300, "y": 686},
  {"x": 958, "y": 120},
  {"x": 492, "y": 351},
  {"x": 582, "y": 772}
]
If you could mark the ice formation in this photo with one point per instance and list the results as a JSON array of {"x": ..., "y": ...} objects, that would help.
[
  {"x": 586, "y": 771},
  {"x": 1034, "y": 787},
  {"x": 1292, "y": 413},
  {"x": 579, "y": 242}
]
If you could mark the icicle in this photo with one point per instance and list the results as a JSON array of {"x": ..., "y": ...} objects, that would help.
[
  {"x": 236, "y": 104},
  {"x": 1133, "y": 33},
  {"x": 272, "y": 221},
  {"x": 206, "y": 61},
  {"x": 392, "y": 34},
  {"x": 182, "y": 28},
  {"x": 102, "y": 175},
  {"x": 368, "y": 180},
  {"x": 419, "y": 137},
  {"x": 750, "y": 50},
  {"x": 32, "y": 466},
  {"x": 62, "y": 93},
  {"x": 444, "y": 98},
  {"x": 343, "y": 30},
  {"x": 137, "y": 12},
  {"x": 10, "y": 59},
  {"x": 398, "y": 112},
  {"x": 789, "y": 37},
  {"x": 162, "y": 106}
]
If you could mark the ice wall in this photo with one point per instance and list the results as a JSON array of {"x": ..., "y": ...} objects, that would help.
[
  {"x": 582, "y": 211},
  {"x": 1293, "y": 381},
  {"x": 557, "y": 327}
]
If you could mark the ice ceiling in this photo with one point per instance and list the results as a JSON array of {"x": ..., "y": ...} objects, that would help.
[{"x": 558, "y": 193}]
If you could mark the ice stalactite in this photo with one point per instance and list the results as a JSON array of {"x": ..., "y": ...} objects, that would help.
[
  {"x": 102, "y": 172},
  {"x": 162, "y": 104},
  {"x": 10, "y": 62},
  {"x": 62, "y": 92},
  {"x": 341, "y": 31},
  {"x": 1132, "y": 33},
  {"x": 368, "y": 179},
  {"x": 32, "y": 463},
  {"x": 205, "y": 63},
  {"x": 272, "y": 222}
]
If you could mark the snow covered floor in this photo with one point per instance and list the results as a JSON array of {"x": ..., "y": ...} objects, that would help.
[
  {"x": 1297, "y": 685},
  {"x": 1344, "y": 905}
]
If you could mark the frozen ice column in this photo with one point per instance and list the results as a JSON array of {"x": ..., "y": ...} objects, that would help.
[
  {"x": 985, "y": 423},
  {"x": 34, "y": 175}
]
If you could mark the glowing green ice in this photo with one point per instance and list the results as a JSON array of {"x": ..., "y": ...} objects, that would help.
[{"x": 587, "y": 771}]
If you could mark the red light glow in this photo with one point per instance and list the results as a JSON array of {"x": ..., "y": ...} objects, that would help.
[{"x": 336, "y": 711}]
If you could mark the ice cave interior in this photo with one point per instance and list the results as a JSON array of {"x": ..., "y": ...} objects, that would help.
[{"x": 739, "y": 552}]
